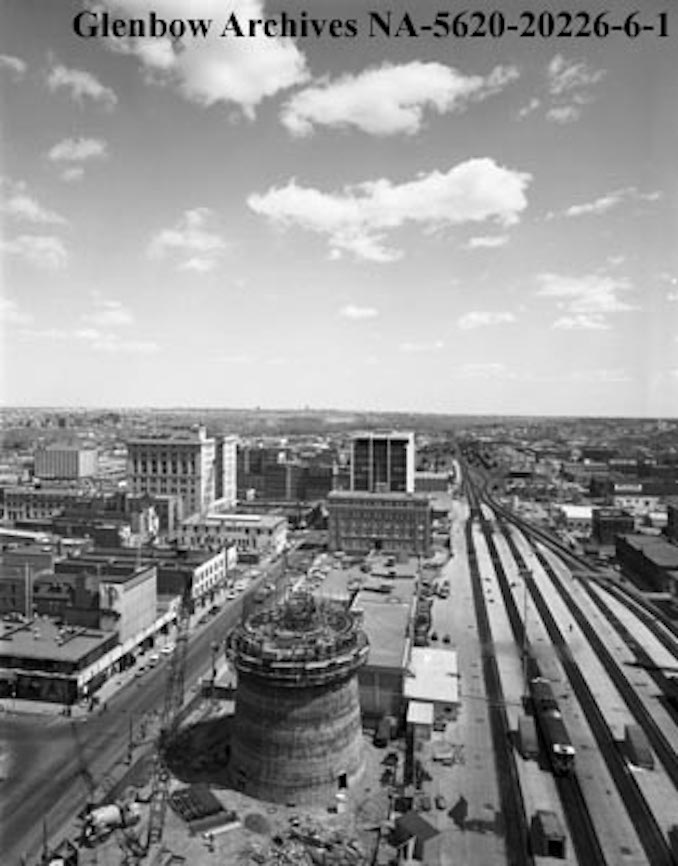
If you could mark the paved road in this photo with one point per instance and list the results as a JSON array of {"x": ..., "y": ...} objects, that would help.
[{"x": 57, "y": 763}]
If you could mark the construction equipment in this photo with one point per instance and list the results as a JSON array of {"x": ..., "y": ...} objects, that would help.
[{"x": 174, "y": 699}]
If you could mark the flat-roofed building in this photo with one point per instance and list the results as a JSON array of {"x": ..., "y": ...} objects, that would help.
[
  {"x": 38, "y": 503},
  {"x": 190, "y": 464},
  {"x": 257, "y": 534},
  {"x": 65, "y": 462},
  {"x": 382, "y": 462},
  {"x": 608, "y": 523},
  {"x": 433, "y": 678},
  {"x": 397, "y": 523},
  {"x": 651, "y": 559}
]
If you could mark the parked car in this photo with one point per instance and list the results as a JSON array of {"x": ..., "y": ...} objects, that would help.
[
  {"x": 434, "y": 636},
  {"x": 441, "y": 802},
  {"x": 446, "y": 638}
]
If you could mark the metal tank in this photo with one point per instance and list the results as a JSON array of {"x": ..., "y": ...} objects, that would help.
[{"x": 297, "y": 732}]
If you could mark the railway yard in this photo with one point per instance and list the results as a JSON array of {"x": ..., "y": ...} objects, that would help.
[{"x": 566, "y": 643}]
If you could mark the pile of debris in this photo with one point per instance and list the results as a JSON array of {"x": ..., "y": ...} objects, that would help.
[{"x": 307, "y": 842}]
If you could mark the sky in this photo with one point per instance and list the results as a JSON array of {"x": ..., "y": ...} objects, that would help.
[{"x": 371, "y": 222}]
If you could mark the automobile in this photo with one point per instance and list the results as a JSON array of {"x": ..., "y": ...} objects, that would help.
[
  {"x": 425, "y": 803},
  {"x": 446, "y": 638},
  {"x": 434, "y": 636},
  {"x": 231, "y": 594},
  {"x": 167, "y": 649},
  {"x": 140, "y": 670},
  {"x": 441, "y": 802},
  {"x": 440, "y": 725},
  {"x": 153, "y": 659}
]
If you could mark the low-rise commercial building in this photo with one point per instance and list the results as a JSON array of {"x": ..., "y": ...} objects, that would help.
[
  {"x": 397, "y": 523},
  {"x": 257, "y": 535},
  {"x": 652, "y": 560},
  {"x": 608, "y": 523}
]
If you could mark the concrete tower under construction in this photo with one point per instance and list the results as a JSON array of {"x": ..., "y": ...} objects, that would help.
[{"x": 297, "y": 733}]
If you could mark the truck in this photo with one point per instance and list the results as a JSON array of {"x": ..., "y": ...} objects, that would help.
[
  {"x": 528, "y": 744},
  {"x": 103, "y": 820},
  {"x": 637, "y": 747}
]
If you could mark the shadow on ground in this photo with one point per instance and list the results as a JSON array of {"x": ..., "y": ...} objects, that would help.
[{"x": 199, "y": 752}]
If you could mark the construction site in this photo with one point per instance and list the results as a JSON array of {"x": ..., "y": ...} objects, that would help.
[{"x": 267, "y": 765}]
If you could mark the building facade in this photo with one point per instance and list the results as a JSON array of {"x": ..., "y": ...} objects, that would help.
[
  {"x": 258, "y": 534},
  {"x": 190, "y": 464},
  {"x": 36, "y": 503},
  {"x": 382, "y": 462},
  {"x": 64, "y": 462},
  {"x": 390, "y": 522}
]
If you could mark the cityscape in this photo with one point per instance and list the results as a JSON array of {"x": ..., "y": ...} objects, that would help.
[
  {"x": 282, "y": 637},
  {"x": 339, "y": 450}
]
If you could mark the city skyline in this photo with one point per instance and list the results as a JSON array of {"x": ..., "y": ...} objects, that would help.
[{"x": 451, "y": 226}]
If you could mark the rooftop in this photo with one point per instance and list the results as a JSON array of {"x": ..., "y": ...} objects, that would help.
[
  {"x": 435, "y": 675},
  {"x": 386, "y": 626},
  {"x": 43, "y": 639}
]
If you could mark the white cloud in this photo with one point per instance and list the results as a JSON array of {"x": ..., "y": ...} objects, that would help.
[
  {"x": 12, "y": 314},
  {"x": 564, "y": 114},
  {"x": 351, "y": 311},
  {"x": 581, "y": 322},
  {"x": 531, "y": 106},
  {"x": 434, "y": 346},
  {"x": 389, "y": 99},
  {"x": 481, "y": 319},
  {"x": 16, "y": 203},
  {"x": 75, "y": 172},
  {"x": 605, "y": 203},
  {"x": 78, "y": 150},
  {"x": 192, "y": 242},
  {"x": 109, "y": 313},
  {"x": 15, "y": 65},
  {"x": 571, "y": 76},
  {"x": 81, "y": 85},
  {"x": 45, "y": 251},
  {"x": 213, "y": 69},
  {"x": 357, "y": 218},
  {"x": 487, "y": 242},
  {"x": 591, "y": 294},
  {"x": 570, "y": 83}
]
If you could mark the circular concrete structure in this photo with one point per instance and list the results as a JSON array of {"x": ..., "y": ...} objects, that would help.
[{"x": 297, "y": 732}]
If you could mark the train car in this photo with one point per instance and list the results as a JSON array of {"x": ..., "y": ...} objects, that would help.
[
  {"x": 561, "y": 752},
  {"x": 542, "y": 695}
]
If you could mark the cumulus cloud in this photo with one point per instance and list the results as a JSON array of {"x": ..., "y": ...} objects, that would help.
[
  {"x": 191, "y": 243},
  {"x": 586, "y": 301},
  {"x": 45, "y": 251},
  {"x": 80, "y": 85},
  {"x": 389, "y": 99},
  {"x": 78, "y": 150},
  {"x": 605, "y": 203},
  {"x": 213, "y": 69},
  {"x": 487, "y": 242},
  {"x": 571, "y": 76},
  {"x": 356, "y": 219},
  {"x": 481, "y": 319},
  {"x": 352, "y": 311},
  {"x": 570, "y": 86},
  {"x": 15, "y": 65},
  {"x": 12, "y": 314},
  {"x": 18, "y": 204}
]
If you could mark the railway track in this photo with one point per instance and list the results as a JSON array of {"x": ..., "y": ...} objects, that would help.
[
  {"x": 510, "y": 793},
  {"x": 649, "y": 833},
  {"x": 582, "y": 831}
]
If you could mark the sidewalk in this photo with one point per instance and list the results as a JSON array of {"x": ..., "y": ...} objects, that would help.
[{"x": 82, "y": 711}]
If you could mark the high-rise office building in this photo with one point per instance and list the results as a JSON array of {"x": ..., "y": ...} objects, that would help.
[
  {"x": 198, "y": 468},
  {"x": 63, "y": 461},
  {"x": 382, "y": 462}
]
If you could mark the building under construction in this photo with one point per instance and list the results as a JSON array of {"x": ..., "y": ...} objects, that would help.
[{"x": 297, "y": 734}]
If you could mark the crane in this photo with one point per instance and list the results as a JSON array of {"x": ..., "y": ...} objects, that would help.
[{"x": 173, "y": 702}]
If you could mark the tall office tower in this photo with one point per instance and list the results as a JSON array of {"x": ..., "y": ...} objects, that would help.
[
  {"x": 189, "y": 464},
  {"x": 382, "y": 462}
]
